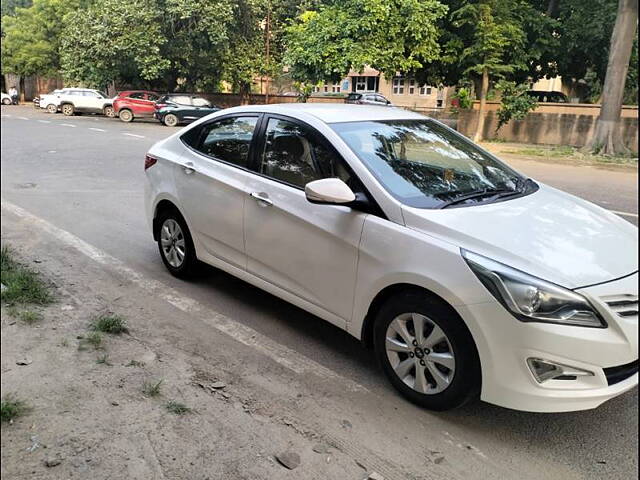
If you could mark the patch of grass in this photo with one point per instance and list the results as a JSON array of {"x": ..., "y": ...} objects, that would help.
[
  {"x": 572, "y": 153},
  {"x": 94, "y": 339},
  {"x": 11, "y": 407},
  {"x": 110, "y": 323},
  {"x": 177, "y": 407},
  {"x": 152, "y": 389},
  {"x": 103, "y": 360},
  {"x": 29, "y": 316},
  {"x": 135, "y": 363},
  {"x": 23, "y": 284}
]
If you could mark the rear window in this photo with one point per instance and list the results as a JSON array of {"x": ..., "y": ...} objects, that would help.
[
  {"x": 201, "y": 102},
  {"x": 180, "y": 100},
  {"x": 354, "y": 96}
]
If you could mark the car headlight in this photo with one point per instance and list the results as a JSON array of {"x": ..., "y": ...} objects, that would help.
[{"x": 531, "y": 299}]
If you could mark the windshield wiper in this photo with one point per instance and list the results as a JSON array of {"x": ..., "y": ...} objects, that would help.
[{"x": 488, "y": 192}]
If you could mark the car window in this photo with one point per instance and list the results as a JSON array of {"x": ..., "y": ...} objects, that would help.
[
  {"x": 90, "y": 94},
  {"x": 152, "y": 97},
  {"x": 137, "y": 95},
  {"x": 180, "y": 100},
  {"x": 229, "y": 139},
  {"x": 294, "y": 155},
  {"x": 201, "y": 102}
]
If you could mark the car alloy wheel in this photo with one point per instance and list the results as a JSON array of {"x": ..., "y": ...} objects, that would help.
[
  {"x": 420, "y": 353},
  {"x": 6, "y": 101},
  {"x": 52, "y": 108},
  {"x": 109, "y": 112},
  {"x": 126, "y": 116},
  {"x": 170, "y": 120},
  {"x": 172, "y": 243},
  {"x": 67, "y": 109}
]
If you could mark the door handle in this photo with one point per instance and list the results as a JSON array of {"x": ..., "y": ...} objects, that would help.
[
  {"x": 262, "y": 198},
  {"x": 188, "y": 168}
]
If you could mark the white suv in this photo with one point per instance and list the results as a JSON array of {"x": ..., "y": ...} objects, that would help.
[
  {"x": 84, "y": 100},
  {"x": 466, "y": 277}
]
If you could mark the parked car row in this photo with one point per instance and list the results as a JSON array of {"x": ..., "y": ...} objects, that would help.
[{"x": 171, "y": 109}]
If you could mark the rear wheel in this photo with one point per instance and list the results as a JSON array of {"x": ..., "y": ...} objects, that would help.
[
  {"x": 126, "y": 115},
  {"x": 6, "y": 101},
  {"x": 170, "y": 120},
  {"x": 51, "y": 108},
  {"x": 67, "y": 109},
  {"x": 426, "y": 351},
  {"x": 176, "y": 245},
  {"x": 108, "y": 111}
]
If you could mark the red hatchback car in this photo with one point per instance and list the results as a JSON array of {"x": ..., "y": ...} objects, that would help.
[{"x": 132, "y": 104}]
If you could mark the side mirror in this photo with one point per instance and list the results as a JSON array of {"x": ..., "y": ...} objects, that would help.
[{"x": 329, "y": 191}]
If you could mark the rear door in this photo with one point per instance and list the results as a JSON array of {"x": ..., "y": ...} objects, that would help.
[
  {"x": 308, "y": 250},
  {"x": 201, "y": 107},
  {"x": 92, "y": 101},
  {"x": 211, "y": 183}
]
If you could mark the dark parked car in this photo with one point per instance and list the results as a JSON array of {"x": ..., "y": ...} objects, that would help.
[
  {"x": 367, "y": 99},
  {"x": 175, "y": 108},
  {"x": 132, "y": 104},
  {"x": 550, "y": 97}
]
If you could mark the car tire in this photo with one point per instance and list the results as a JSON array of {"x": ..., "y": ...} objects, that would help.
[
  {"x": 170, "y": 120},
  {"x": 126, "y": 115},
  {"x": 108, "y": 111},
  {"x": 51, "y": 108},
  {"x": 68, "y": 109},
  {"x": 6, "y": 101},
  {"x": 441, "y": 370},
  {"x": 176, "y": 245}
]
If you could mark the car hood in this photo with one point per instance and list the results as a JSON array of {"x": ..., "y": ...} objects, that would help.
[{"x": 549, "y": 234}]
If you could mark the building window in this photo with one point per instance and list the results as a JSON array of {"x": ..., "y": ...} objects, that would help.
[
  {"x": 361, "y": 84},
  {"x": 316, "y": 89},
  {"x": 398, "y": 86},
  {"x": 335, "y": 88},
  {"x": 439, "y": 103},
  {"x": 326, "y": 88},
  {"x": 425, "y": 90},
  {"x": 412, "y": 87}
]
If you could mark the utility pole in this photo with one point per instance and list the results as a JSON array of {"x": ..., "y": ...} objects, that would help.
[{"x": 268, "y": 34}]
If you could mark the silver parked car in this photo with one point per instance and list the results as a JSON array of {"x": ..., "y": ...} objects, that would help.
[{"x": 368, "y": 99}]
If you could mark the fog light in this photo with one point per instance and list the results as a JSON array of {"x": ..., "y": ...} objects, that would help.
[{"x": 544, "y": 370}]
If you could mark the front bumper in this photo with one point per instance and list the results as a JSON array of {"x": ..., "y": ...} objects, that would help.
[{"x": 504, "y": 344}]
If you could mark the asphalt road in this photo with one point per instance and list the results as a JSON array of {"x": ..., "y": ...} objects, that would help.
[{"x": 84, "y": 174}]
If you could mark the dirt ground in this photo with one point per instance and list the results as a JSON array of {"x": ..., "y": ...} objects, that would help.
[{"x": 90, "y": 419}]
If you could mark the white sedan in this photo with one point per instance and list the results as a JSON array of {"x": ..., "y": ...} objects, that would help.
[
  {"x": 6, "y": 99},
  {"x": 467, "y": 278}
]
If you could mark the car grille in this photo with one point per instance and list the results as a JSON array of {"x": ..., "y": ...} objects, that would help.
[
  {"x": 618, "y": 374},
  {"x": 623, "y": 305}
]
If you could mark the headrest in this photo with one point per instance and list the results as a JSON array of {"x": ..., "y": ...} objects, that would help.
[{"x": 290, "y": 144}]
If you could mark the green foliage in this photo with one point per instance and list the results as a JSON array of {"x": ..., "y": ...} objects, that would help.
[
  {"x": 31, "y": 37},
  {"x": 23, "y": 284},
  {"x": 515, "y": 103},
  {"x": 390, "y": 36},
  {"x": 110, "y": 323},
  {"x": 11, "y": 408},
  {"x": 463, "y": 95},
  {"x": 177, "y": 408},
  {"x": 151, "y": 389}
]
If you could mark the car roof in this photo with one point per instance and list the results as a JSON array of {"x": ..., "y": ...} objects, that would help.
[{"x": 332, "y": 112}]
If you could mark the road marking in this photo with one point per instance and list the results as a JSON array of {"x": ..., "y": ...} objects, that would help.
[
  {"x": 23, "y": 118},
  {"x": 281, "y": 354},
  {"x": 68, "y": 125},
  {"x": 97, "y": 129},
  {"x": 44, "y": 121},
  {"x": 133, "y": 135},
  {"x": 625, "y": 214}
]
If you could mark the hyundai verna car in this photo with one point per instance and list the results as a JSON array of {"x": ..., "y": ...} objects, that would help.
[{"x": 466, "y": 277}]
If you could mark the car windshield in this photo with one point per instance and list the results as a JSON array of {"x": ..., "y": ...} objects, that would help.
[{"x": 426, "y": 165}]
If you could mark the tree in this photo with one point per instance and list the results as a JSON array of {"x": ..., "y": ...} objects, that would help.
[
  {"x": 390, "y": 36},
  {"x": 32, "y": 37},
  {"x": 515, "y": 102},
  {"x": 607, "y": 138},
  {"x": 497, "y": 46}
]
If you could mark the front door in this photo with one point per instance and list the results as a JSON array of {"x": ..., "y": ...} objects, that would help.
[
  {"x": 211, "y": 182},
  {"x": 308, "y": 250}
]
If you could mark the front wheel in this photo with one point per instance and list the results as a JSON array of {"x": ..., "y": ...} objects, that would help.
[
  {"x": 68, "y": 110},
  {"x": 109, "y": 112},
  {"x": 426, "y": 351},
  {"x": 170, "y": 120},
  {"x": 176, "y": 245},
  {"x": 51, "y": 108},
  {"x": 6, "y": 101},
  {"x": 126, "y": 116}
]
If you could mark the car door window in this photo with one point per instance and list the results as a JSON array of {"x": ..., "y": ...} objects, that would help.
[
  {"x": 201, "y": 102},
  {"x": 137, "y": 95},
  {"x": 229, "y": 139},
  {"x": 152, "y": 97},
  {"x": 294, "y": 154},
  {"x": 180, "y": 100}
]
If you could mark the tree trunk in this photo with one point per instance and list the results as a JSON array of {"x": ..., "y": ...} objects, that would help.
[
  {"x": 608, "y": 138},
  {"x": 483, "y": 102},
  {"x": 244, "y": 89},
  {"x": 552, "y": 6}
]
